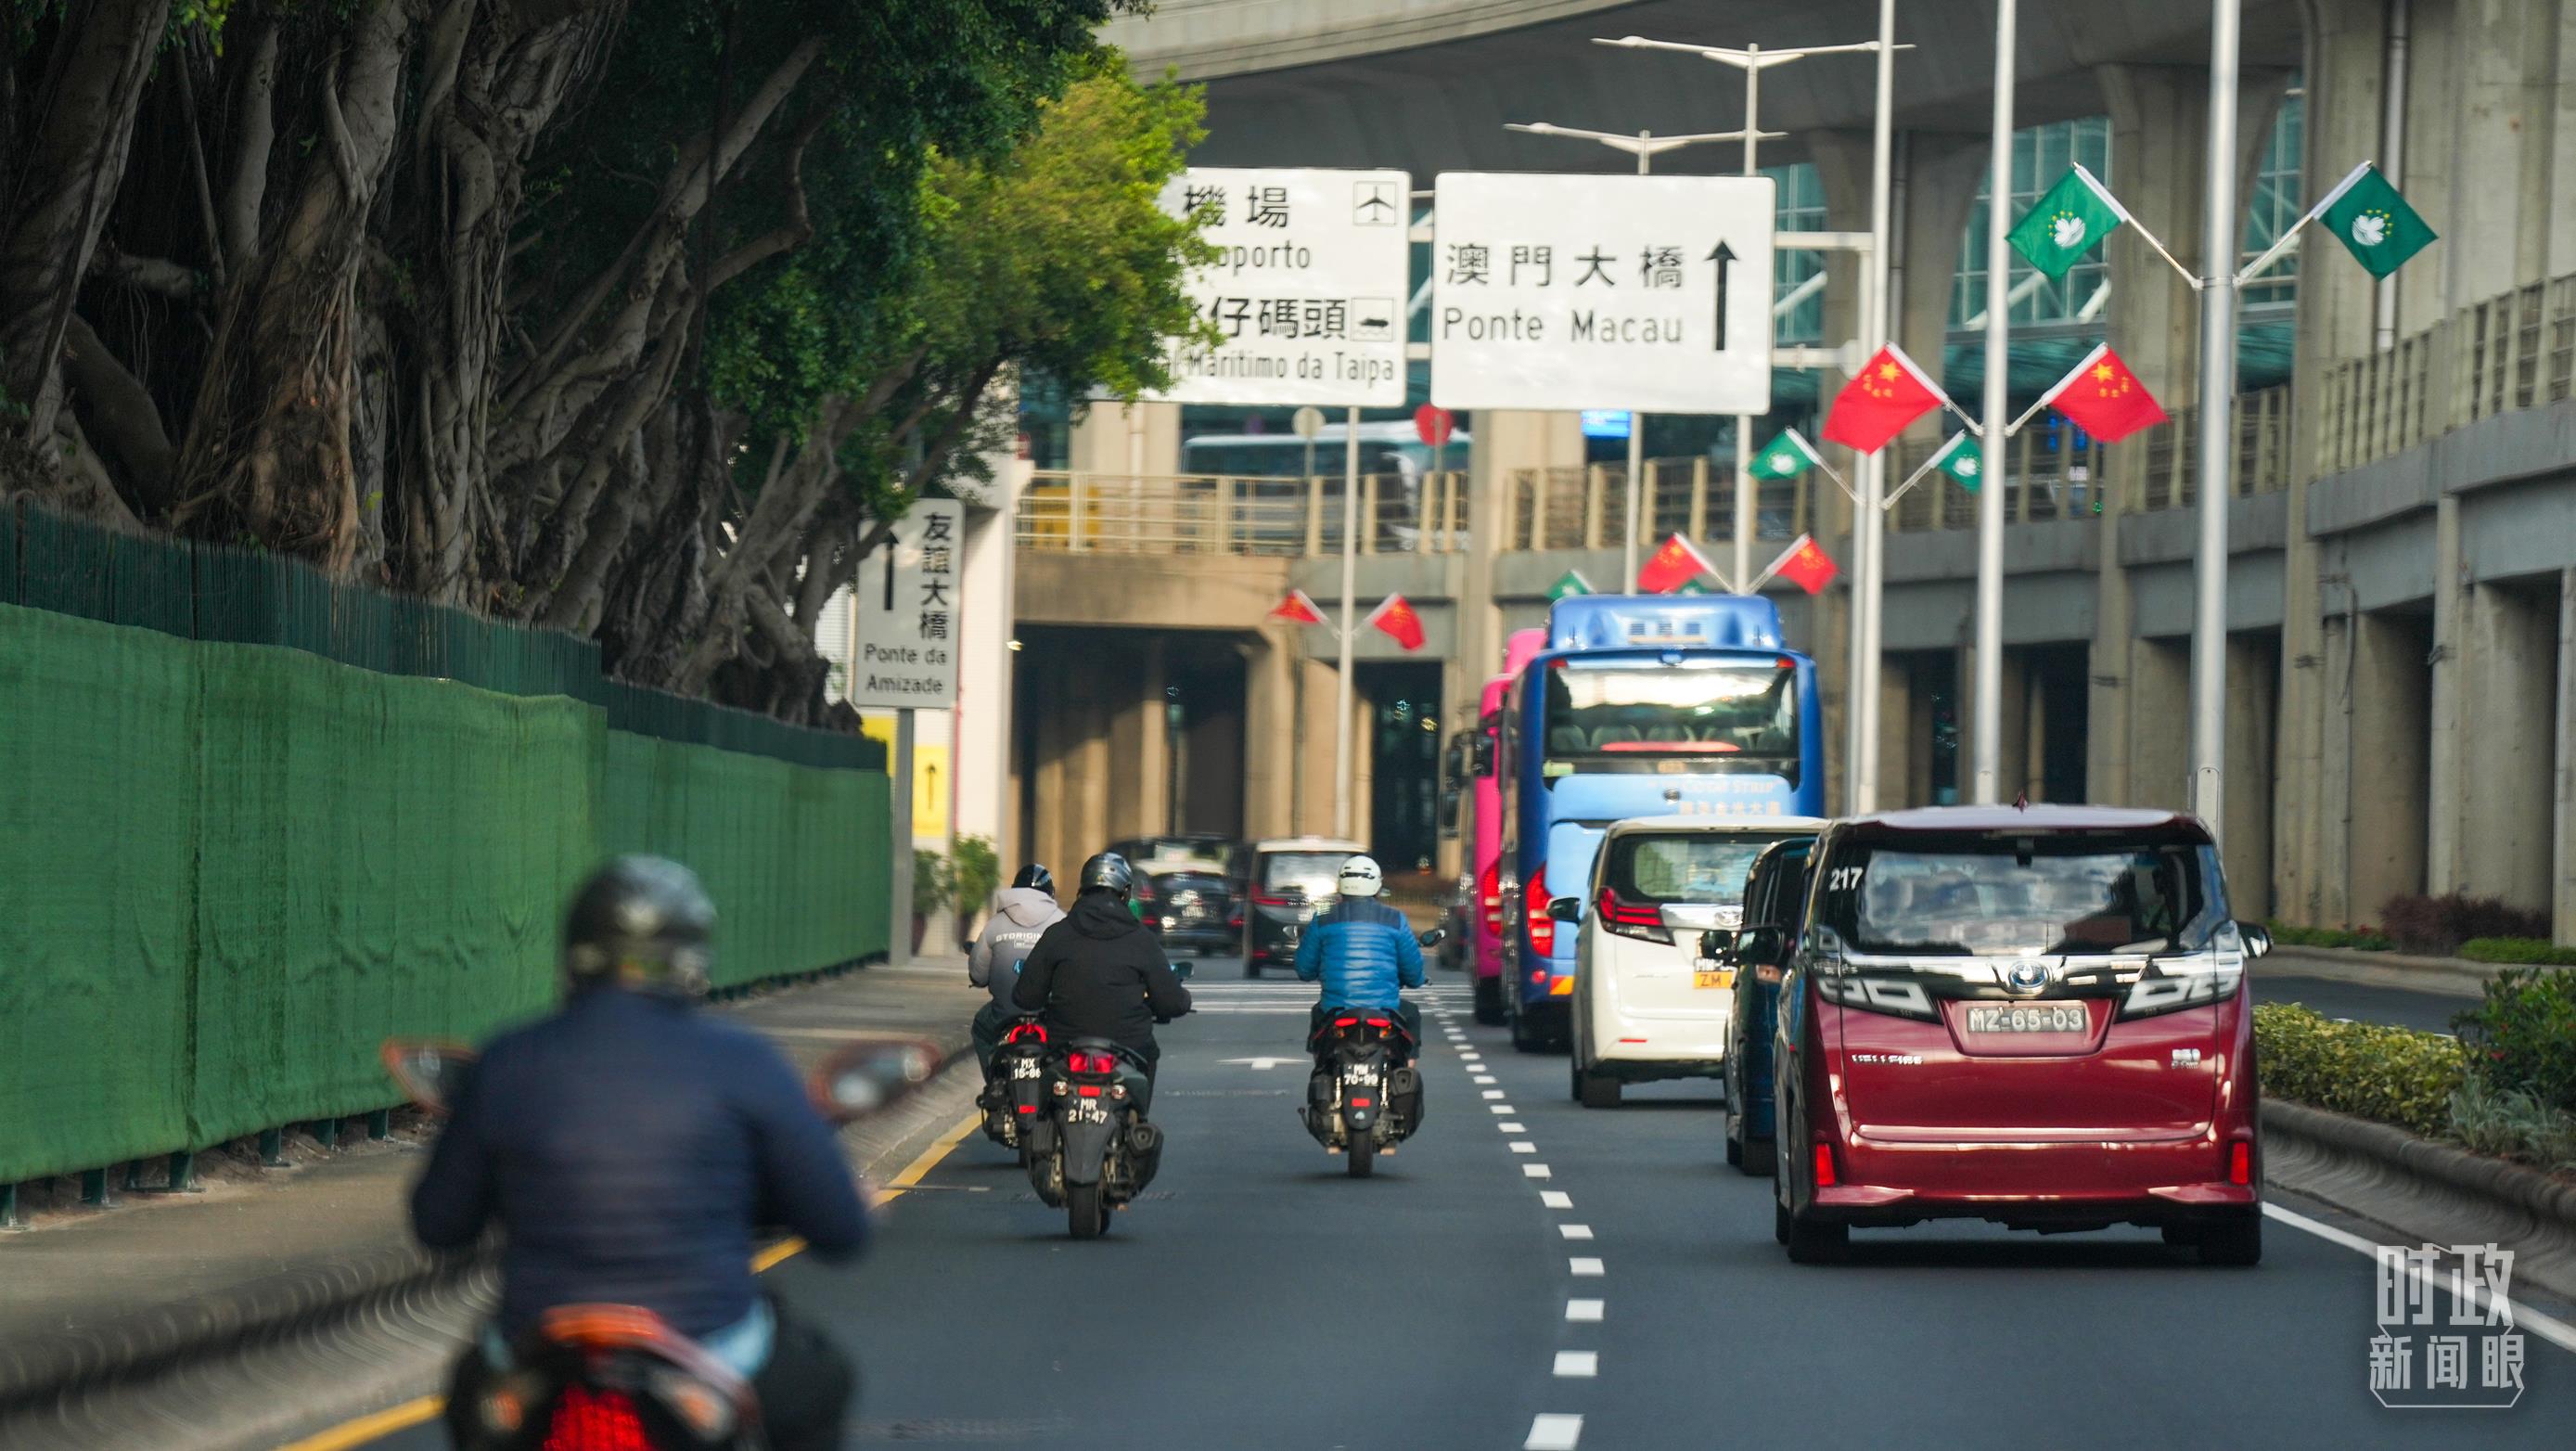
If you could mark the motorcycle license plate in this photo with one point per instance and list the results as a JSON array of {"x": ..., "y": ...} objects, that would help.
[
  {"x": 1024, "y": 1068},
  {"x": 1716, "y": 977},
  {"x": 1088, "y": 1111}
]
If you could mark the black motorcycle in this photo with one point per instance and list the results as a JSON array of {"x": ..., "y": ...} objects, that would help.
[
  {"x": 1365, "y": 1095},
  {"x": 1091, "y": 1150},
  {"x": 1014, "y": 1096}
]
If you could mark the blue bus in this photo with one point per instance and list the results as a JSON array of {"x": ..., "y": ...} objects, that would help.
[{"x": 1641, "y": 705}]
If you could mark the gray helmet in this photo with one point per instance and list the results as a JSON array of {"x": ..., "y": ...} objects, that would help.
[
  {"x": 1035, "y": 877},
  {"x": 643, "y": 923},
  {"x": 1108, "y": 872}
]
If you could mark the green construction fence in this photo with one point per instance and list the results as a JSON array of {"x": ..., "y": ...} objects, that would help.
[{"x": 230, "y": 867}]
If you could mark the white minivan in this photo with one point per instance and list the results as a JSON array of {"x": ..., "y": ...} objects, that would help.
[{"x": 1645, "y": 1006}]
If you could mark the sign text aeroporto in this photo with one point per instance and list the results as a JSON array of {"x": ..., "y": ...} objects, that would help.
[{"x": 1307, "y": 291}]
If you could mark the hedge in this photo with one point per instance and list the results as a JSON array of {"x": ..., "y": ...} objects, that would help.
[
  {"x": 2386, "y": 1074},
  {"x": 2534, "y": 951}
]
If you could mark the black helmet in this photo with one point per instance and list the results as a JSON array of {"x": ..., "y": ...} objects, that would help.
[
  {"x": 641, "y": 922},
  {"x": 1108, "y": 872},
  {"x": 1035, "y": 877}
]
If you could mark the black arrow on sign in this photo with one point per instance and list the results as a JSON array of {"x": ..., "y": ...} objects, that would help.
[{"x": 1724, "y": 257}]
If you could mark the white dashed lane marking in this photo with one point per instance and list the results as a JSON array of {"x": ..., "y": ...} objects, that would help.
[
  {"x": 1556, "y": 1199},
  {"x": 1583, "y": 1310},
  {"x": 1587, "y": 1268},
  {"x": 1523, "y": 1146},
  {"x": 1533, "y": 1171},
  {"x": 1507, "y": 1126},
  {"x": 1575, "y": 1231},
  {"x": 1553, "y": 1433},
  {"x": 1500, "y": 1107},
  {"x": 1493, "y": 1093},
  {"x": 1578, "y": 1363}
]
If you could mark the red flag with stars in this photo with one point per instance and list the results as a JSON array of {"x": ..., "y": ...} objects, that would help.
[
  {"x": 2104, "y": 398},
  {"x": 1804, "y": 565},
  {"x": 1395, "y": 619},
  {"x": 1888, "y": 393},
  {"x": 1297, "y": 609},
  {"x": 1669, "y": 568}
]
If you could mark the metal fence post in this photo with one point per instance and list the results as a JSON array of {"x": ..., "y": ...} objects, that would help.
[{"x": 1593, "y": 484}]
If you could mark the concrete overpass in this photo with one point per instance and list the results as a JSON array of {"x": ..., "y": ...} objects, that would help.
[{"x": 2403, "y": 614}]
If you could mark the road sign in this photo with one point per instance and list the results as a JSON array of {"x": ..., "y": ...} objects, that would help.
[
  {"x": 1308, "y": 288},
  {"x": 1308, "y": 422},
  {"x": 907, "y": 594},
  {"x": 1645, "y": 293},
  {"x": 1434, "y": 425}
]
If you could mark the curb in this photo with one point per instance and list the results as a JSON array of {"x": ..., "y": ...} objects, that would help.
[
  {"x": 2357, "y": 1160},
  {"x": 34, "y": 1372},
  {"x": 2449, "y": 976}
]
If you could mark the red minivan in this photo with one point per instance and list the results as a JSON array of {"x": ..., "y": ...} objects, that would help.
[{"x": 2034, "y": 1015}]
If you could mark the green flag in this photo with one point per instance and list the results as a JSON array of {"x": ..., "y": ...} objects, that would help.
[
  {"x": 2076, "y": 213},
  {"x": 1692, "y": 587},
  {"x": 2373, "y": 221},
  {"x": 1962, "y": 459},
  {"x": 1568, "y": 587},
  {"x": 1785, "y": 457}
]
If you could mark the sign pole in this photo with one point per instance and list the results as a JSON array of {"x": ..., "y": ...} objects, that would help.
[
  {"x": 2217, "y": 389},
  {"x": 1748, "y": 512},
  {"x": 1342, "y": 692},
  {"x": 1986, "y": 721},
  {"x": 899, "y": 934},
  {"x": 1870, "y": 526},
  {"x": 1636, "y": 424}
]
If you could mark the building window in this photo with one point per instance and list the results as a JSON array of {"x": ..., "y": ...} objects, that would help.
[
  {"x": 2041, "y": 155},
  {"x": 2280, "y": 198},
  {"x": 1801, "y": 208}
]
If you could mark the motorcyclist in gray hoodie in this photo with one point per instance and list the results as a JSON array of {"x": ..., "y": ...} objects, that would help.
[{"x": 1022, "y": 912}]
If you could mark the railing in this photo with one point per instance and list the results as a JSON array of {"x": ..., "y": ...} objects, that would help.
[
  {"x": 1587, "y": 507},
  {"x": 2511, "y": 352},
  {"x": 1223, "y": 514},
  {"x": 2046, "y": 478}
]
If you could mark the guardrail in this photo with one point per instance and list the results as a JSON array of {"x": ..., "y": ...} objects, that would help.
[
  {"x": 1079, "y": 513},
  {"x": 2511, "y": 352}
]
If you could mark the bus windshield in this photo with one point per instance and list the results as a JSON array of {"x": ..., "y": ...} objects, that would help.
[{"x": 1630, "y": 718}]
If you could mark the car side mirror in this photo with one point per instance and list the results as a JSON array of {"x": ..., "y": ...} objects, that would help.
[
  {"x": 1565, "y": 909},
  {"x": 1757, "y": 945},
  {"x": 2258, "y": 938},
  {"x": 1432, "y": 938},
  {"x": 870, "y": 1075},
  {"x": 1717, "y": 944}
]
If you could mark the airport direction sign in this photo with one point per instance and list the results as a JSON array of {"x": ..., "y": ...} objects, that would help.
[
  {"x": 907, "y": 597},
  {"x": 1645, "y": 293},
  {"x": 1307, "y": 290}
]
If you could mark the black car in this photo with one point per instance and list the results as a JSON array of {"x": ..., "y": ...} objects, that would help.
[
  {"x": 1291, "y": 877},
  {"x": 1194, "y": 887}
]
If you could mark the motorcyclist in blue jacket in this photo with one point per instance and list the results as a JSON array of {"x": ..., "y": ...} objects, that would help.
[
  {"x": 1364, "y": 952},
  {"x": 630, "y": 1147}
]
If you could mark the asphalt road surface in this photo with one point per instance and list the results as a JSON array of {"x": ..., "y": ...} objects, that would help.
[
  {"x": 2363, "y": 1002},
  {"x": 1527, "y": 1273}
]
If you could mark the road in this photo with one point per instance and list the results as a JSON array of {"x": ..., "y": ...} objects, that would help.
[
  {"x": 2362, "y": 1002},
  {"x": 1477, "y": 1293}
]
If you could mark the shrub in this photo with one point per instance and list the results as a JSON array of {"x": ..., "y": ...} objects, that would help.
[
  {"x": 930, "y": 881},
  {"x": 2538, "y": 951},
  {"x": 2523, "y": 1036},
  {"x": 2390, "y": 1075},
  {"x": 2440, "y": 924},
  {"x": 2513, "y": 1124},
  {"x": 2360, "y": 939},
  {"x": 976, "y": 873}
]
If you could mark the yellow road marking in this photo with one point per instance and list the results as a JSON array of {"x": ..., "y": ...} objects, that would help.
[
  {"x": 412, "y": 1413},
  {"x": 367, "y": 1428}
]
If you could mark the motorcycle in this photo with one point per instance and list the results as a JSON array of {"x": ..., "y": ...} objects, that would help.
[
  {"x": 617, "y": 1377},
  {"x": 1360, "y": 1101},
  {"x": 1090, "y": 1150},
  {"x": 1015, "y": 1092}
]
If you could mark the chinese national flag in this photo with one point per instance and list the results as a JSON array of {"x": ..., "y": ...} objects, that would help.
[
  {"x": 1297, "y": 609},
  {"x": 2104, "y": 398},
  {"x": 1889, "y": 393},
  {"x": 1806, "y": 566},
  {"x": 1676, "y": 564},
  {"x": 1395, "y": 619}
]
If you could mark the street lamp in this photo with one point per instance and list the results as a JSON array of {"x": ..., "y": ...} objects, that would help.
[
  {"x": 1645, "y": 146},
  {"x": 1868, "y": 578}
]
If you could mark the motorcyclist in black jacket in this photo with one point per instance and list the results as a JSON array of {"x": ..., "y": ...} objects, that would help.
[{"x": 1100, "y": 973}]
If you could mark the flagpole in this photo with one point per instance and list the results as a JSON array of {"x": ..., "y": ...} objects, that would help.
[
  {"x": 1986, "y": 720},
  {"x": 1637, "y": 427},
  {"x": 1748, "y": 503},
  {"x": 1350, "y": 584},
  {"x": 1871, "y": 523},
  {"x": 2217, "y": 392}
]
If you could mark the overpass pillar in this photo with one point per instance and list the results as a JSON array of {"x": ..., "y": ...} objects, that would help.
[
  {"x": 1127, "y": 440},
  {"x": 2158, "y": 703},
  {"x": 2498, "y": 731},
  {"x": 1140, "y": 770},
  {"x": 2253, "y": 723},
  {"x": 2377, "y": 773},
  {"x": 2562, "y": 891}
]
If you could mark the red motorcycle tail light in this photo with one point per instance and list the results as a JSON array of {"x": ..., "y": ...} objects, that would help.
[
  {"x": 1377, "y": 1022},
  {"x": 589, "y": 1420}
]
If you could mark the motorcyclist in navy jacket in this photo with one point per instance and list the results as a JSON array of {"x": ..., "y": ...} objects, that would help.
[
  {"x": 630, "y": 1147},
  {"x": 1364, "y": 952}
]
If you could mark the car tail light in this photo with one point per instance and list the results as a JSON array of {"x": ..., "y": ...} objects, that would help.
[
  {"x": 1259, "y": 900},
  {"x": 1489, "y": 896},
  {"x": 1542, "y": 927},
  {"x": 2189, "y": 979},
  {"x": 1641, "y": 920},
  {"x": 2240, "y": 1164},
  {"x": 589, "y": 1420},
  {"x": 1825, "y": 1165}
]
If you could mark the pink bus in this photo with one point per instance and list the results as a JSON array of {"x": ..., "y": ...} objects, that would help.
[{"x": 1487, "y": 838}]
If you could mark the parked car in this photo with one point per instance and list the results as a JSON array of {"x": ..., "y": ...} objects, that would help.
[
  {"x": 1643, "y": 1008},
  {"x": 2032, "y": 1015},
  {"x": 1775, "y": 897},
  {"x": 1291, "y": 877}
]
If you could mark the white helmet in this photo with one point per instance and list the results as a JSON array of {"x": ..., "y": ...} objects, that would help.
[{"x": 1360, "y": 878}]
